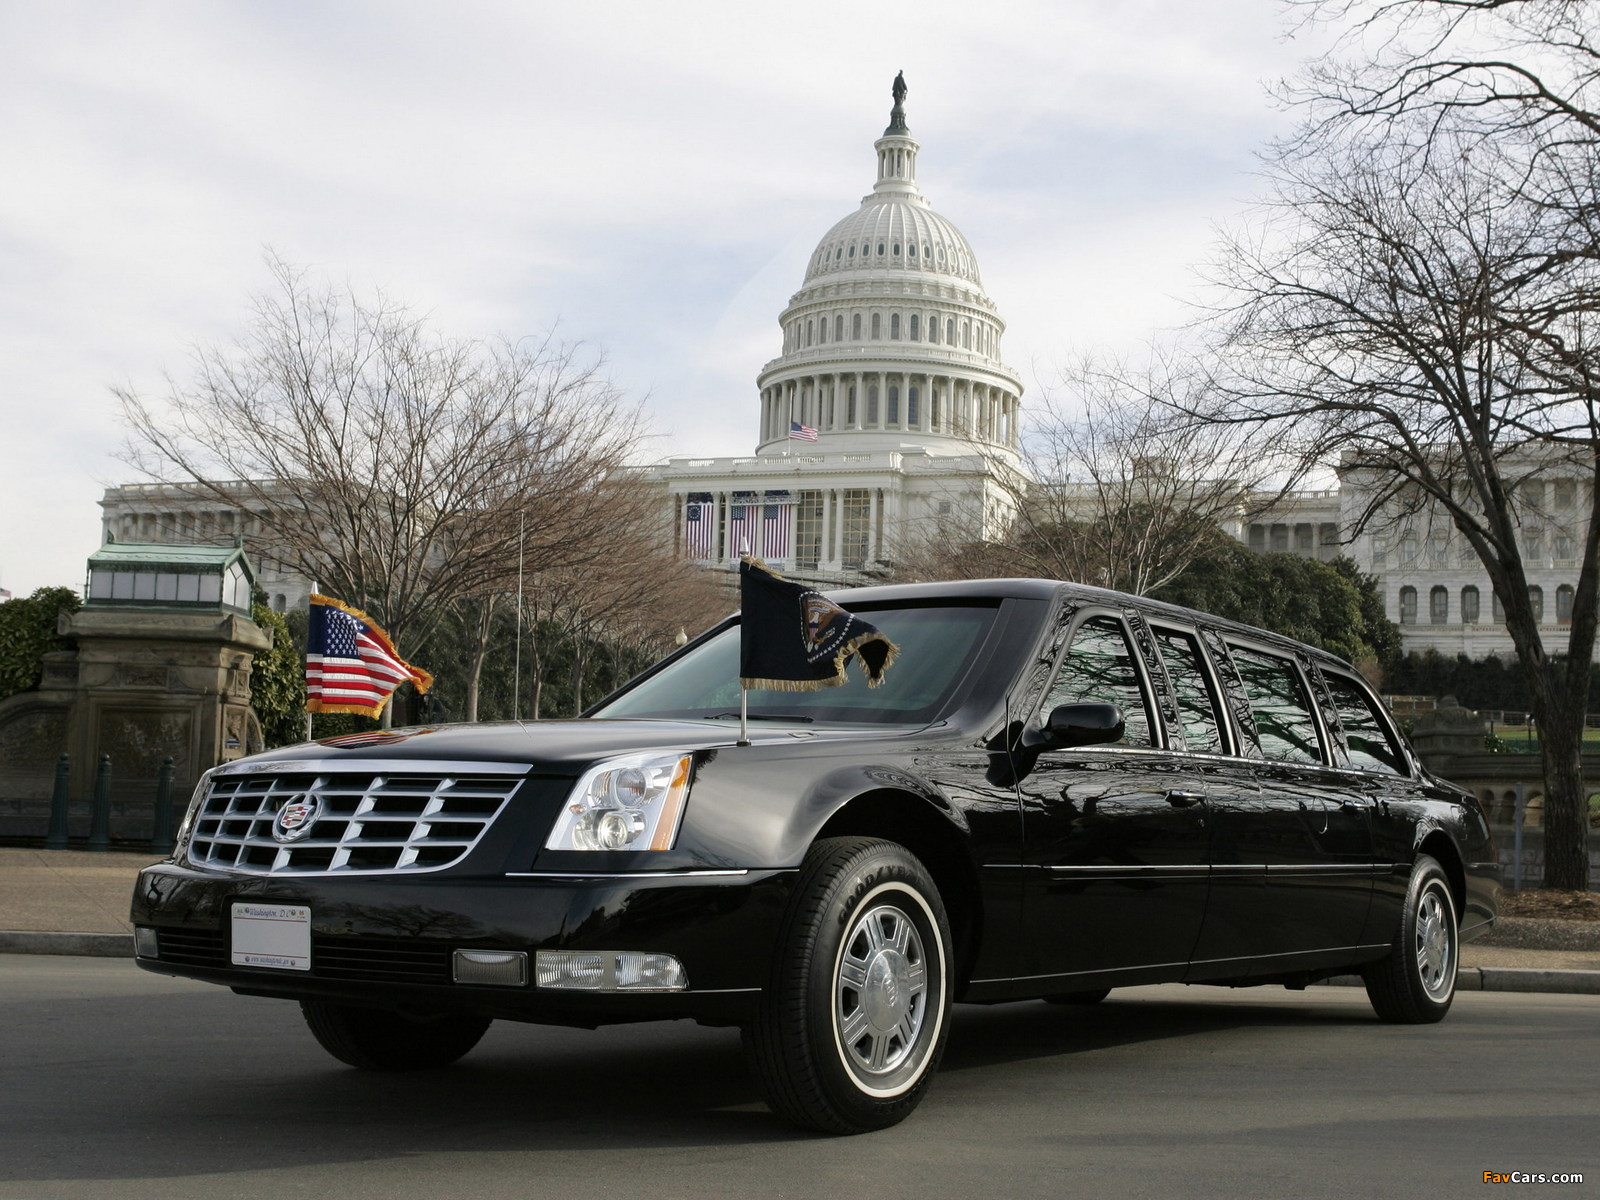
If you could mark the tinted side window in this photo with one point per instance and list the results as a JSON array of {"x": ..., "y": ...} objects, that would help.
[
  {"x": 1365, "y": 732},
  {"x": 1098, "y": 666},
  {"x": 1197, "y": 706},
  {"x": 1284, "y": 724}
]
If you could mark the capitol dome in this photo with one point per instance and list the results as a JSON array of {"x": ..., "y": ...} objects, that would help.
[{"x": 891, "y": 343}]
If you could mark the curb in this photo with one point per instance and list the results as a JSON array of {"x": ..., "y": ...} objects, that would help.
[
  {"x": 1470, "y": 979},
  {"x": 1509, "y": 979},
  {"x": 87, "y": 945}
]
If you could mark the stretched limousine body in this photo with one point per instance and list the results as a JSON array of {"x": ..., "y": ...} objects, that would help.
[{"x": 1057, "y": 791}]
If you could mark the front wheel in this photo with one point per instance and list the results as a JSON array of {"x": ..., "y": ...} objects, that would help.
[
  {"x": 376, "y": 1039},
  {"x": 855, "y": 1015},
  {"x": 1415, "y": 984}
]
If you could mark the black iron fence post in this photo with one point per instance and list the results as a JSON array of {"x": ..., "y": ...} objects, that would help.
[
  {"x": 161, "y": 834},
  {"x": 100, "y": 810},
  {"x": 56, "y": 839}
]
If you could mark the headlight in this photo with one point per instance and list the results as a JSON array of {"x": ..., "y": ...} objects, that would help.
[
  {"x": 630, "y": 803},
  {"x": 180, "y": 843}
]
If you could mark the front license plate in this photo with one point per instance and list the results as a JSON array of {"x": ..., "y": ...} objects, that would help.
[{"x": 272, "y": 935}]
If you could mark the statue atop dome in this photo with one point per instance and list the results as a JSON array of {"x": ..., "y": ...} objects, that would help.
[{"x": 897, "y": 114}]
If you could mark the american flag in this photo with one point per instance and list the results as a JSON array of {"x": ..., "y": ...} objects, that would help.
[
  {"x": 744, "y": 529},
  {"x": 351, "y": 665},
  {"x": 801, "y": 433},
  {"x": 775, "y": 531},
  {"x": 699, "y": 528}
]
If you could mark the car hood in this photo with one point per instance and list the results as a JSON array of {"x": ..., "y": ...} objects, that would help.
[{"x": 559, "y": 744}]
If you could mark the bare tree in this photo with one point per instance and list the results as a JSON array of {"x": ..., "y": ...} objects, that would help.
[
  {"x": 1433, "y": 310},
  {"x": 400, "y": 469},
  {"x": 1121, "y": 485},
  {"x": 1416, "y": 318}
]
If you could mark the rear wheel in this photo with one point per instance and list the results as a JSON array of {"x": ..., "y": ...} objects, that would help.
[
  {"x": 376, "y": 1039},
  {"x": 1415, "y": 984},
  {"x": 854, "y": 1018}
]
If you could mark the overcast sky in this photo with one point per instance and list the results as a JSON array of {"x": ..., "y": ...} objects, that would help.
[{"x": 649, "y": 178}]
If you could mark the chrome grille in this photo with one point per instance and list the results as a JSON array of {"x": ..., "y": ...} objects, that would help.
[{"x": 371, "y": 822}]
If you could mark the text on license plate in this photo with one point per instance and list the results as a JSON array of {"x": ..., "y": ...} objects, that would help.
[{"x": 272, "y": 935}]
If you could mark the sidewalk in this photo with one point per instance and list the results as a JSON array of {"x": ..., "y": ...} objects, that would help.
[{"x": 75, "y": 902}]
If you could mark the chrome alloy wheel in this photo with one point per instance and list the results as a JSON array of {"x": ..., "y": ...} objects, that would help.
[
  {"x": 1436, "y": 941},
  {"x": 880, "y": 995}
]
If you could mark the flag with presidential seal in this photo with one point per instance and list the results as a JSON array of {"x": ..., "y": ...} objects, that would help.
[{"x": 794, "y": 639}]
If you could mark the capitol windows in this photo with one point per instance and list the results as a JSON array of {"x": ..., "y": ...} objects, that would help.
[
  {"x": 1469, "y": 605},
  {"x": 1439, "y": 606},
  {"x": 911, "y": 249},
  {"x": 872, "y": 404},
  {"x": 808, "y": 333},
  {"x": 1563, "y": 550},
  {"x": 1408, "y": 552},
  {"x": 1564, "y": 604},
  {"x": 1566, "y": 492},
  {"x": 1536, "y": 603},
  {"x": 916, "y": 328},
  {"x": 911, "y": 407},
  {"x": 1408, "y": 606},
  {"x": 880, "y": 249},
  {"x": 852, "y": 251},
  {"x": 897, "y": 247},
  {"x": 933, "y": 409},
  {"x": 838, "y": 328},
  {"x": 1496, "y": 609},
  {"x": 894, "y": 327},
  {"x": 950, "y": 331},
  {"x": 933, "y": 328},
  {"x": 855, "y": 524},
  {"x": 855, "y": 327},
  {"x": 850, "y": 405},
  {"x": 966, "y": 335},
  {"x": 894, "y": 405},
  {"x": 877, "y": 326}
]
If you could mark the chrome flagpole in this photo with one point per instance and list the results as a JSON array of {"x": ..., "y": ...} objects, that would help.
[
  {"x": 307, "y": 655},
  {"x": 744, "y": 716}
]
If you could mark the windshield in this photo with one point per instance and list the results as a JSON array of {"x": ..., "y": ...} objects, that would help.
[{"x": 937, "y": 643}]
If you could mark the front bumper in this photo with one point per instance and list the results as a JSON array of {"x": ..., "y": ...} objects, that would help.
[{"x": 386, "y": 941}]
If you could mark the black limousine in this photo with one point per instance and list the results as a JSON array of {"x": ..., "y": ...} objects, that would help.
[{"x": 1056, "y": 791}]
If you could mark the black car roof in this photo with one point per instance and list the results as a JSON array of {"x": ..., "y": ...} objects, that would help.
[{"x": 1052, "y": 589}]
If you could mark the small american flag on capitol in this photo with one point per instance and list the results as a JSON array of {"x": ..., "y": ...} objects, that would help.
[
  {"x": 351, "y": 665},
  {"x": 801, "y": 433}
]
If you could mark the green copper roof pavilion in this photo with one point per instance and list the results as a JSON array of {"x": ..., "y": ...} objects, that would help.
[{"x": 179, "y": 578}]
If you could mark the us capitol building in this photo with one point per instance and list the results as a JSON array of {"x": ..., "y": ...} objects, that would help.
[{"x": 887, "y": 415}]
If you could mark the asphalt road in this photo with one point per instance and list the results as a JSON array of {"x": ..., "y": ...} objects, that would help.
[{"x": 119, "y": 1084}]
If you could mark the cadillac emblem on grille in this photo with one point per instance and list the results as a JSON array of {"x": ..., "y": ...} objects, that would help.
[{"x": 296, "y": 817}]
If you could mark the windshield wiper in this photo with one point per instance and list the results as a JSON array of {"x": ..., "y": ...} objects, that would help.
[{"x": 761, "y": 717}]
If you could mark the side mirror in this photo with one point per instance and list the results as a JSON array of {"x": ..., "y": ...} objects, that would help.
[{"x": 1085, "y": 724}]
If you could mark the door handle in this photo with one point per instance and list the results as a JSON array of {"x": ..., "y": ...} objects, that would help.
[{"x": 1180, "y": 799}]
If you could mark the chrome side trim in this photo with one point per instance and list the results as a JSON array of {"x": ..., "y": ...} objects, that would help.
[
  {"x": 623, "y": 874},
  {"x": 1080, "y": 974}
]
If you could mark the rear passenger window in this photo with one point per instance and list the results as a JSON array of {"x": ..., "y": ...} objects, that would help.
[
  {"x": 1099, "y": 667},
  {"x": 1366, "y": 733},
  {"x": 1284, "y": 724},
  {"x": 1197, "y": 705}
]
